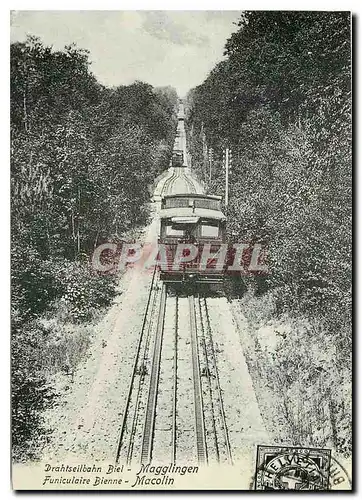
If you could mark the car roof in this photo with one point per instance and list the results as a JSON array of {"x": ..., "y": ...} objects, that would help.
[
  {"x": 204, "y": 213},
  {"x": 193, "y": 195}
]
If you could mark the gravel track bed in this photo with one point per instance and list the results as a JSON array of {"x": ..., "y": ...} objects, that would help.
[
  {"x": 185, "y": 435},
  {"x": 245, "y": 425},
  {"x": 85, "y": 424}
]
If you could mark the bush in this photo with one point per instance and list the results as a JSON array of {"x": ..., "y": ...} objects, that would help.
[
  {"x": 83, "y": 290},
  {"x": 43, "y": 348},
  {"x": 31, "y": 393}
]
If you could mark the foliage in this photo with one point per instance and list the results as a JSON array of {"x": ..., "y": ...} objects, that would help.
[
  {"x": 31, "y": 393},
  {"x": 281, "y": 100},
  {"x": 83, "y": 290},
  {"x": 82, "y": 157}
]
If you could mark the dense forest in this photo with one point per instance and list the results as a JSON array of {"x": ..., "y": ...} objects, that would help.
[
  {"x": 281, "y": 101},
  {"x": 82, "y": 157}
]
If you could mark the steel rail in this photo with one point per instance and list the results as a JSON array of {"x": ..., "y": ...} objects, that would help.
[
  {"x": 198, "y": 403},
  {"x": 149, "y": 425},
  {"x": 190, "y": 183},
  {"x": 167, "y": 184},
  {"x": 141, "y": 382},
  {"x": 134, "y": 370}
]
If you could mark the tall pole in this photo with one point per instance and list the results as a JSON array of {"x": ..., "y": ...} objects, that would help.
[
  {"x": 210, "y": 163},
  {"x": 226, "y": 177}
]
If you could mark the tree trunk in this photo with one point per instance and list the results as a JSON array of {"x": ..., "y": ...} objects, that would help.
[
  {"x": 333, "y": 422},
  {"x": 73, "y": 232},
  {"x": 25, "y": 113},
  {"x": 78, "y": 225},
  {"x": 96, "y": 240}
]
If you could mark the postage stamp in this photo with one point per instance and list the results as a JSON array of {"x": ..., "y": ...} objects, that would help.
[{"x": 292, "y": 468}]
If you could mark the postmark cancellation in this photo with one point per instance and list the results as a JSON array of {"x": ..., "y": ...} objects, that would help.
[{"x": 292, "y": 468}]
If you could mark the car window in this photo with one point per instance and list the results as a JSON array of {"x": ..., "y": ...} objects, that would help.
[
  {"x": 208, "y": 231},
  {"x": 174, "y": 231}
]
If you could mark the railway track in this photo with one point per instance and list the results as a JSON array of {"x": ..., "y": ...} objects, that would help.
[
  {"x": 167, "y": 188},
  {"x": 218, "y": 424},
  {"x": 144, "y": 423},
  {"x": 133, "y": 403},
  {"x": 169, "y": 182},
  {"x": 174, "y": 403},
  {"x": 149, "y": 426},
  {"x": 198, "y": 400},
  {"x": 177, "y": 173},
  {"x": 190, "y": 184},
  {"x": 141, "y": 370}
]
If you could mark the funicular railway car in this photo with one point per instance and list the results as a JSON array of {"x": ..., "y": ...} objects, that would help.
[
  {"x": 194, "y": 220},
  {"x": 177, "y": 158},
  {"x": 178, "y": 153}
]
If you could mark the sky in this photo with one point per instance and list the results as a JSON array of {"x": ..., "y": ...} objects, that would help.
[{"x": 176, "y": 48}]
